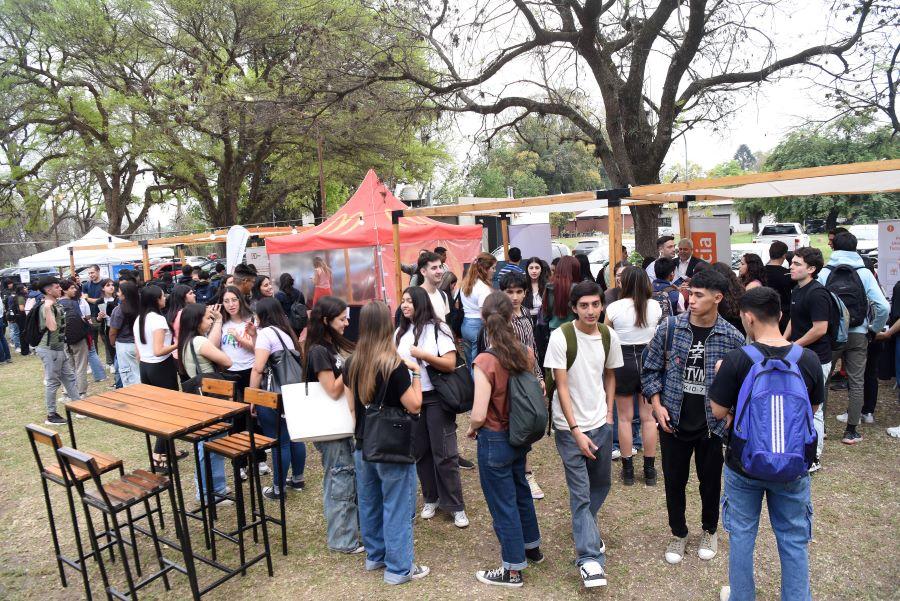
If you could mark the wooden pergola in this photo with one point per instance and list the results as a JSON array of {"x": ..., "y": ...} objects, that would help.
[{"x": 852, "y": 178}]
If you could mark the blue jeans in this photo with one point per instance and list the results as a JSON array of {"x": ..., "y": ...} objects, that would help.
[
  {"x": 97, "y": 368},
  {"x": 216, "y": 465},
  {"x": 470, "y": 330},
  {"x": 14, "y": 334},
  {"x": 502, "y": 475},
  {"x": 387, "y": 499},
  {"x": 289, "y": 453},
  {"x": 339, "y": 493},
  {"x": 790, "y": 513},
  {"x": 589, "y": 482},
  {"x": 4, "y": 346}
]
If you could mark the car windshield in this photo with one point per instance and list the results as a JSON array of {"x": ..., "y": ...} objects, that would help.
[
  {"x": 585, "y": 247},
  {"x": 864, "y": 232},
  {"x": 779, "y": 230}
]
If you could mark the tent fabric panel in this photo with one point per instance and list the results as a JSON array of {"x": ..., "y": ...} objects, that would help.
[
  {"x": 853, "y": 183},
  {"x": 59, "y": 256}
]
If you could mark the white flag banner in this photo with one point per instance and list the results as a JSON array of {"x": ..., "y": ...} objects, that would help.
[
  {"x": 235, "y": 244},
  {"x": 889, "y": 254}
]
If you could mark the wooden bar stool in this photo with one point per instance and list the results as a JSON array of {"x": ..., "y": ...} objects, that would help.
[
  {"x": 221, "y": 389},
  {"x": 51, "y": 471},
  {"x": 113, "y": 498},
  {"x": 237, "y": 447}
]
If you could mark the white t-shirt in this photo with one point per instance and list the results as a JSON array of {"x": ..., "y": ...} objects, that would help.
[
  {"x": 585, "y": 378},
  {"x": 442, "y": 346},
  {"x": 241, "y": 358},
  {"x": 472, "y": 302},
  {"x": 439, "y": 304},
  {"x": 623, "y": 317},
  {"x": 153, "y": 322}
]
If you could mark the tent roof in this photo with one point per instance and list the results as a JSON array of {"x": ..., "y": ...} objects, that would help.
[
  {"x": 365, "y": 220},
  {"x": 59, "y": 256}
]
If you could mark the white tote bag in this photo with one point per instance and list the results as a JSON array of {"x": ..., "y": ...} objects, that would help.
[{"x": 312, "y": 415}]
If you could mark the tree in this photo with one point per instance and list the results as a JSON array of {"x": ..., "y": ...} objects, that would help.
[
  {"x": 709, "y": 51},
  {"x": 503, "y": 168},
  {"x": 745, "y": 158}
]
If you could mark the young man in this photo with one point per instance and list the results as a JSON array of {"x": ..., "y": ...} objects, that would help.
[
  {"x": 778, "y": 277},
  {"x": 92, "y": 290},
  {"x": 679, "y": 367},
  {"x": 665, "y": 247},
  {"x": 855, "y": 351},
  {"x": 431, "y": 272},
  {"x": 664, "y": 287},
  {"x": 244, "y": 278},
  {"x": 789, "y": 503},
  {"x": 512, "y": 263},
  {"x": 687, "y": 262},
  {"x": 810, "y": 306},
  {"x": 187, "y": 275},
  {"x": 75, "y": 331},
  {"x": 582, "y": 417},
  {"x": 58, "y": 370}
]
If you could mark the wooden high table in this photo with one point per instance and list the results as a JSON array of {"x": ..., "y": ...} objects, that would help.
[{"x": 168, "y": 414}]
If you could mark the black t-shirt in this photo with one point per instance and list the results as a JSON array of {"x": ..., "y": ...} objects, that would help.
[
  {"x": 735, "y": 367},
  {"x": 323, "y": 358},
  {"x": 398, "y": 381},
  {"x": 779, "y": 278},
  {"x": 809, "y": 304},
  {"x": 692, "y": 423}
]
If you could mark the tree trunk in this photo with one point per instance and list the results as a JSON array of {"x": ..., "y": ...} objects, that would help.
[
  {"x": 756, "y": 217},
  {"x": 831, "y": 220}
]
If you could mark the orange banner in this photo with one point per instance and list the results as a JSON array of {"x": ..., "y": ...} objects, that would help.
[{"x": 704, "y": 246}]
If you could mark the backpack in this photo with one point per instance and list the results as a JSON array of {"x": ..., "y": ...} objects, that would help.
[
  {"x": 667, "y": 346},
  {"x": 774, "y": 437},
  {"x": 33, "y": 332},
  {"x": 11, "y": 308},
  {"x": 528, "y": 413},
  {"x": 845, "y": 283},
  {"x": 568, "y": 330},
  {"x": 75, "y": 330},
  {"x": 204, "y": 293},
  {"x": 838, "y": 322},
  {"x": 662, "y": 297},
  {"x": 298, "y": 317}
]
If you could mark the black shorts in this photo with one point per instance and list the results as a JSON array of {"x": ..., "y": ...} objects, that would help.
[{"x": 628, "y": 377}]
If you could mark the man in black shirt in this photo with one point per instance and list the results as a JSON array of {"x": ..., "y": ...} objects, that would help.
[
  {"x": 778, "y": 277},
  {"x": 789, "y": 503},
  {"x": 808, "y": 327}
]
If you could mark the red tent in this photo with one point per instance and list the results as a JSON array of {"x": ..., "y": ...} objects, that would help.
[{"x": 364, "y": 223}]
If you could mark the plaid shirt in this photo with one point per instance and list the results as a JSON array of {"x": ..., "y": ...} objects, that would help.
[
  {"x": 524, "y": 330},
  {"x": 667, "y": 380}
]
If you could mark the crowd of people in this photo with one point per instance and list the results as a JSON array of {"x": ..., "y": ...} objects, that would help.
[{"x": 667, "y": 357}]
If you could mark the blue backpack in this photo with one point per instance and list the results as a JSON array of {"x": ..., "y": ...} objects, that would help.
[{"x": 773, "y": 434}]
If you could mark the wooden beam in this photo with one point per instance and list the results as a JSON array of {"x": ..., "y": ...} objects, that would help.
[
  {"x": 72, "y": 260},
  {"x": 350, "y": 299},
  {"x": 684, "y": 224},
  {"x": 504, "y": 234},
  {"x": 146, "y": 260},
  {"x": 615, "y": 234},
  {"x": 508, "y": 205},
  {"x": 197, "y": 239},
  {"x": 398, "y": 274},
  {"x": 180, "y": 248}
]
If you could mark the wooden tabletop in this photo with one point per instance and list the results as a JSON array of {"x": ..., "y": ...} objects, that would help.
[{"x": 158, "y": 411}]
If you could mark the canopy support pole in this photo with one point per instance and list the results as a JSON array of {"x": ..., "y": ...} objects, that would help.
[
  {"x": 145, "y": 259},
  {"x": 504, "y": 234},
  {"x": 614, "y": 198},
  {"x": 684, "y": 224},
  {"x": 398, "y": 273},
  {"x": 72, "y": 260},
  {"x": 180, "y": 248}
]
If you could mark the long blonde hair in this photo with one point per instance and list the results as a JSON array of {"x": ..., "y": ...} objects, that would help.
[
  {"x": 478, "y": 270},
  {"x": 375, "y": 351}
]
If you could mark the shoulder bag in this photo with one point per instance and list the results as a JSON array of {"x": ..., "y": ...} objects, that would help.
[
  {"x": 389, "y": 433},
  {"x": 310, "y": 412},
  {"x": 456, "y": 389}
]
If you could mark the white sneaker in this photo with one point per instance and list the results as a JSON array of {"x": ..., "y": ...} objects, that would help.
[
  {"x": 592, "y": 574},
  {"x": 460, "y": 520},
  {"x": 867, "y": 418},
  {"x": 675, "y": 550},
  {"x": 419, "y": 572},
  {"x": 616, "y": 454},
  {"x": 709, "y": 545},
  {"x": 814, "y": 467},
  {"x": 725, "y": 593},
  {"x": 428, "y": 510},
  {"x": 536, "y": 491},
  {"x": 894, "y": 432},
  {"x": 263, "y": 468},
  {"x": 841, "y": 418}
]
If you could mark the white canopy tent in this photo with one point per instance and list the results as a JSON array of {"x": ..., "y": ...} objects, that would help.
[{"x": 59, "y": 256}]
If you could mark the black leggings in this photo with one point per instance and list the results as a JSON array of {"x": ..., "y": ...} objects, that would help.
[{"x": 165, "y": 375}]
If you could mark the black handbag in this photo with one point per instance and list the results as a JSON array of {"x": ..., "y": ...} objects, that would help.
[
  {"x": 455, "y": 389},
  {"x": 389, "y": 433},
  {"x": 284, "y": 367},
  {"x": 194, "y": 385}
]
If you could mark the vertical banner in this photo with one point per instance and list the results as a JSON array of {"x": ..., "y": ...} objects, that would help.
[
  {"x": 889, "y": 254},
  {"x": 533, "y": 239},
  {"x": 712, "y": 238},
  {"x": 235, "y": 244},
  {"x": 259, "y": 258}
]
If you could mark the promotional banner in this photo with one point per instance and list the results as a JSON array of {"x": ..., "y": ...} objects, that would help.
[
  {"x": 533, "y": 239},
  {"x": 259, "y": 258},
  {"x": 889, "y": 254},
  {"x": 235, "y": 244},
  {"x": 712, "y": 238}
]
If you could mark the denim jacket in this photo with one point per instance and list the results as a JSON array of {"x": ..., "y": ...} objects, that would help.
[{"x": 667, "y": 380}]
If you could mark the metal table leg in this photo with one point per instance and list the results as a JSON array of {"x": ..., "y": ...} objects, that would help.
[{"x": 181, "y": 525}]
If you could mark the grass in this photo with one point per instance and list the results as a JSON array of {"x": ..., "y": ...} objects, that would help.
[{"x": 855, "y": 553}]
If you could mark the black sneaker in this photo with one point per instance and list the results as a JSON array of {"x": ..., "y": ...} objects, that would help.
[
  {"x": 54, "y": 419},
  {"x": 271, "y": 493},
  {"x": 295, "y": 484},
  {"x": 534, "y": 555},
  {"x": 851, "y": 438},
  {"x": 628, "y": 471},
  {"x": 465, "y": 464},
  {"x": 500, "y": 577},
  {"x": 650, "y": 475}
]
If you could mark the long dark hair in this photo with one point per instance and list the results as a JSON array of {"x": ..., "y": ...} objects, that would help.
[
  {"x": 567, "y": 274},
  {"x": 728, "y": 308},
  {"x": 636, "y": 286},
  {"x": 286, "y": 285},
  {"x": 319, "y": 331},
  {"x": 150, "y": 296},
  {"x": 270, "y": 314},
  {"x": 244, "y": 311},
  {"x": 189, "y": 324},
  {"x": 423, "y": 314},
  {"x": 545, "y": 273},
  {"x": 131, "y": 301},
  {"x": 375, "y": 352},
  {"x": 756, "y": 270},
  {"x": 496, "y": 313},
  {"x": 177, "y": 301},
  {"x": 585, "y": 265},
  {"x": 256, "y": 293}
]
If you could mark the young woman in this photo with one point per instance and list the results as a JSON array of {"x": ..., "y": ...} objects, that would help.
[
  {"x": 182, "y": 296},
  {"x": 752, "y": 271},
  {"x": 585, "y": 268},
  {"x": 476, "y": 286},
  {"x": 121, "y": 333},
  {"x": 556, "y": 300},
  {"x": 538, "y": 273},
  {"x": 323, "y": 279},
  {"x": 107, "y": 304},
  {"x": 386, "y": 491},
  {"x": 263, "y": 288},
  {"x": 728, "y": 308},
  {"x": 273, "y": 335},
  {"x": 154, "y": 347},
  {"x": 436, "y": 447},
  {"x": 199, "y": 352},
  {"x": 287, "y": 295},
  {"x": 325, "y": 352},
  {"x": 634, "y": 317},
  {"x": 502, "y": 466}
]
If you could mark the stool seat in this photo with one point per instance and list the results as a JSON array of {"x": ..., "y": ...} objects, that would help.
[
  {"x": 105, "y": 463},
  {"x": 237, "y": 445},
  {"x": 129, "y": 489},
  {"x": 204, "y": 433}
]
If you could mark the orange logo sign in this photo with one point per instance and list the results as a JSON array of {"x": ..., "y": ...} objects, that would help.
[{"x": 704, "y": 245}]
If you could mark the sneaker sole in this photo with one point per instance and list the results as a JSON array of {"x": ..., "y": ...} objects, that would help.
[
  {"x": 707, "y": 558},
  {"x": 537, "y": 496},
  {"x": 484, "y": 580},
  {"x": 536, "y": 561},
  {"x": 676, "y": 562},
  {"x": 594, "y": 583},
  {"x": 851, "y": 442},
  {"x": 49, "y": 423}
]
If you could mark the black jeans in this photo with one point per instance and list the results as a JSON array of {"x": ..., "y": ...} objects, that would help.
[
  {"x": 438, "y": 455},
  {"x": 870, "y": 376},
  {"x": 165, "y": 375},
  {"x": 676, "y": 466}
]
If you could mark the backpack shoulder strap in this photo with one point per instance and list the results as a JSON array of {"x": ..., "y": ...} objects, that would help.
[
  {"x": 568, "y": 330},
  {"x": 755, "y": 355},
  {"x": 604, "y": 336},
  {"x": 794, "y": 354}
]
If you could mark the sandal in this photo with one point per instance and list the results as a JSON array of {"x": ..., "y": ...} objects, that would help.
[{"x": 160, "y": 464}]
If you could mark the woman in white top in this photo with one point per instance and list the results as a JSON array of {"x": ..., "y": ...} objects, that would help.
[
  {"x": 476, "y": 286},
  {"x": 438, "y": 463},
  {"x": 634, "y": 317}
]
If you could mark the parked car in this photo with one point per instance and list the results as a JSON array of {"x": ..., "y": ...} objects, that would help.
[
  {"x": 790, "y": 233},
  {"x": 173, "y": 267},
  {"x": 587, "y": 246},
  {"x": 866, "y": 238},
  {"x": 814, "y": 226},
  {"x": 557, "y": 249}
]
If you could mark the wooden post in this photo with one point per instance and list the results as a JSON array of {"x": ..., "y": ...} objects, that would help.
[
  {"x": 398, "y": 274},
  {"x": 145, "y": 252},
  {"x": 321, "y": 154},
  {"x": 350, "y": 299},
  {"x": 180, "y": 248},
  {"x": 504, "y": 234},
  {"x": 615, "y": 231},
  {"x": 72, "y": 260},
  {"x": 684, "y": 218}
]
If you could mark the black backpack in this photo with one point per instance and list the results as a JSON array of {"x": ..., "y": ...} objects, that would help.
[
  {"x": 299, "y": 317},
  {"x": 845, "y": 283},
  {"x": 76, "y": 329},
  {"x": 33, "y": 332},
  {"x": 10, "y": 307}
]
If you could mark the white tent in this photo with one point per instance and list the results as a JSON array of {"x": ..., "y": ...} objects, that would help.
[{"x": 59, "y": 256}]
